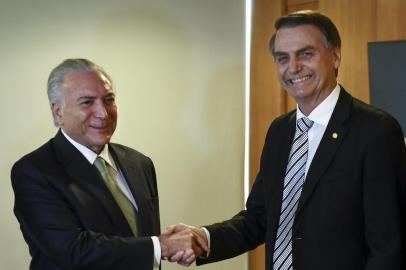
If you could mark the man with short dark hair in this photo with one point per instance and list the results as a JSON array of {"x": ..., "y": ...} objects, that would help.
[
  {"x": 328, "y": 192},
  {"x": 83, "y": 202}
]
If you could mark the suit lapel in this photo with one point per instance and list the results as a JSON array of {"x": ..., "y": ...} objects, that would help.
[
  {"x": 280, "y": 150},
  {"x": 284, "y": 146},
  {"x": 84, "y": 174},
  {"x": 329, "y": 144},
  {"x": 131, "y": 170}
]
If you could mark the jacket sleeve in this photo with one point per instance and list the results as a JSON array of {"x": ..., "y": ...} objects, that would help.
[{"x": 383, "y": 180}]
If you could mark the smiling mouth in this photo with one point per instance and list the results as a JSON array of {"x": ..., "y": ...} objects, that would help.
[
  {"x": 299, "y": 80},
  {"x": 100, "y": 127}
]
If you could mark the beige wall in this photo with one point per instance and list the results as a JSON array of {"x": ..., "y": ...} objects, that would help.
[{"x": 178, "y": 69}]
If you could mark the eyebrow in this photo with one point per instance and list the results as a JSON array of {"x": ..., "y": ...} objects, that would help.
[
  {"x": 85, "y": 98},
  {"x": 110, "y": 94},
  {"x": 279, "y": 53}
]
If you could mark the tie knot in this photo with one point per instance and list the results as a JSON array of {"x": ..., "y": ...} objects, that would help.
[
  {"x": 100, "y": 165},
  {"x": 304, "y": 124}
]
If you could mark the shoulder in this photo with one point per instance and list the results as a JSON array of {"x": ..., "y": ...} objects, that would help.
[
  {"x": 284, "y": 119},
  {"x": 282, "y": 123},
  {"x": 129, "y": 153},
  {"x": 40, "y": 156},
  {"x": 35, "y": 165},
  {"x": 364, "y": 122},
  {"x": 366, "y": 115},
  {"x": 361, "y": 117}
]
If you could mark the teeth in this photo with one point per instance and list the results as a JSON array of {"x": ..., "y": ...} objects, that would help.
[{"x": 301, "y": 79}]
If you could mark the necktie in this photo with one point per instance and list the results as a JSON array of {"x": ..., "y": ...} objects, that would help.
[
  {"x": 122, "y": 201},
  {"x": 293, "y": 183}
]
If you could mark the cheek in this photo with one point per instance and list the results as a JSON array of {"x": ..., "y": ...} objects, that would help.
[
  {"x": 83, "y": 115},
  {"x": 112, "y": 112},
  {"x": 68, "y": 116},
  {"x": 281, "y": 75}
]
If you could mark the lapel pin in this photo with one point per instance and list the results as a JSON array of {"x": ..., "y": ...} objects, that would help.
[{"x": 334, "y": 135}]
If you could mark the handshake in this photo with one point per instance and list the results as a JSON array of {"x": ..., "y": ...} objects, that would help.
[{"x": 182, "y": 243}]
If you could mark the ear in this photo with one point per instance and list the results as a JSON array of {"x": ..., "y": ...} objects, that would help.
[
  {"x": 58, "y": 113},
  {"x": 337, "y": 57}
]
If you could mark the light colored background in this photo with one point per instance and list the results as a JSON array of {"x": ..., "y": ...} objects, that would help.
[{"x": 178, "y": 67}]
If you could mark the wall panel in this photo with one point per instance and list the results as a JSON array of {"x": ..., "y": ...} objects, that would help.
[
  {"x": 305, "y": 6},
  {"x": 355, "y": 21},
  {"x": 390, "y": 20},
  {"x": 267, "y": 98}
]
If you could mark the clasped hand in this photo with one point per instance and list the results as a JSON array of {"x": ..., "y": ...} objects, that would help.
[{"x": 182, "y": 243}]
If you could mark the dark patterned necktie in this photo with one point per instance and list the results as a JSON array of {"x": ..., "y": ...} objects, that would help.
[{"x": 293, "y": 183}]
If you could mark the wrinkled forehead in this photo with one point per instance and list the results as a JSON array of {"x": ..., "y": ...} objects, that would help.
[{"x": 76, "y": 81}]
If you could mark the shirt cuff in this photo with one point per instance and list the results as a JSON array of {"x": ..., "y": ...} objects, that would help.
[
  {"x": 206, "y": 231},
  {"x": 157, "y": 251}
]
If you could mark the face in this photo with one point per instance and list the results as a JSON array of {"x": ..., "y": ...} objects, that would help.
[
  {"x": 305, "y": 66},
  {"x": 89, "y": 113}
]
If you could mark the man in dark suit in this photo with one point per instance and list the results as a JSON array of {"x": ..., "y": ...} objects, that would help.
[
  {"x": 81, "y": 201},
  {"x": 331, "y": 184}
]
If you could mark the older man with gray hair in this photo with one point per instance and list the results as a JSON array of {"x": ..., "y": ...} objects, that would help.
[{"x": 83, "y": 202}]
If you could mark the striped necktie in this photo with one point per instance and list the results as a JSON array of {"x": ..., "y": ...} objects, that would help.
[
  {"x": 123, "y": 202},
  {"x": 293, "y": 183}
]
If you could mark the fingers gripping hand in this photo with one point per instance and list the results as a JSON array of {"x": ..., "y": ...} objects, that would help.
[
  {"x": 175, "y": 228},
  {"x": 183, "y": 243}
]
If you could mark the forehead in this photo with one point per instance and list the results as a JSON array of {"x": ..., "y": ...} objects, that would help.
[
  {"x": 298, "y": 37},
  {"x": 78, "y": 81}
]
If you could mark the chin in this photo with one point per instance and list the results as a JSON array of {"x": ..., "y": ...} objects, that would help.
[{"x": 100, "y": 140}]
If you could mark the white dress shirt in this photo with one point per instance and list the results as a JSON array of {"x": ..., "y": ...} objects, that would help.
[
  {"x": 120, "y": 181},
  {"x": 320, "y": 116}
]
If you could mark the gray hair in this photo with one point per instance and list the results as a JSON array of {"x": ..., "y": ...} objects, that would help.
[{"x": 56, "y": 78}]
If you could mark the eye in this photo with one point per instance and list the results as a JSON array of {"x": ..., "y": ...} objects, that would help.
[
  {"x": 306, "y": 54},
  {"x": 110, "y": 99},
  {"x": 86, "y": 102},
  {"x": 281, "y": 59}
]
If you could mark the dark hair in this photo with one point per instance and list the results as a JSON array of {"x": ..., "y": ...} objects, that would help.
[{"x": 326, "y": 26}]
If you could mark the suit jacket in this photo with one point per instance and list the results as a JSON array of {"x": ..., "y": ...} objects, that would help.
[
  {"x": 349, "y": 214},
  {"x": 70, "y": 220}
]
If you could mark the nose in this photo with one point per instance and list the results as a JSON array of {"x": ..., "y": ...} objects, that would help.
[
  {"x": 100, "y": 110},
  {"x": 294, "y": 66}
]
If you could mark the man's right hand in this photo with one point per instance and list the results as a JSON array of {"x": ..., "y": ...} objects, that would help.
[{"x": 183, "y": 243}]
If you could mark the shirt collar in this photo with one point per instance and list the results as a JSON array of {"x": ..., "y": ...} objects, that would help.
[
  {"x": 322, "y": 113},
  {"x": 89, "y": 154}
]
